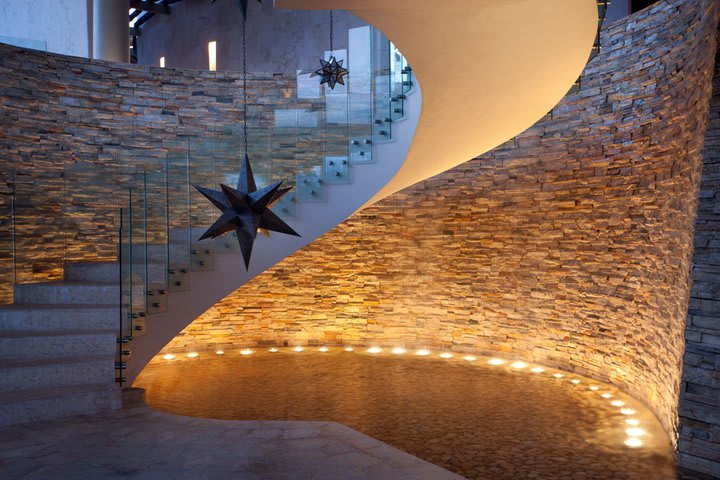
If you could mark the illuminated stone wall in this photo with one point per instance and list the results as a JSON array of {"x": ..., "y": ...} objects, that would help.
[
  {"x": 569, "y": 245},
  {"x": 72, "y": 132}
]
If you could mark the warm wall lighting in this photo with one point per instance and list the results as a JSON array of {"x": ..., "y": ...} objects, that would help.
[
  {"x": 168, "y": 356},
  {"x": 324, "y": 349},
  {"x": 537, "y": 369},
  {"x": 423, "y": 352},
  {"x": 212, "y": 56},
  {"x": 470, "y": 358},
  {"x": 627, "y": 411},
  {"x": 220, "y": 352},
  {"x": 246, "y": 351},
  {"x": 374, "y": 350},
  {"x": 633, "y": 442},
  {"x": 398, "y": 351},
  {"x": 635, "y": 432},
  {"x": 298, "y": 349},
  {"x": 349, "y": 349},
  {"x": 192, "y": 354},
  {"x": 496, "y": 361},
  {"x": 162, "y": 62},
  {"x": 446, "y": 355},
  {"x": 518, "y": 365}
]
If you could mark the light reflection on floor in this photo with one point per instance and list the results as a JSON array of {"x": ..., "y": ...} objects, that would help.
[{"x": 482, "y": 419}]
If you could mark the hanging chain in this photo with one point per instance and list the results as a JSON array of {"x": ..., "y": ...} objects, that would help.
[
  {"x": 332, "y": 34},
  {"x": 245, "y": 96}
]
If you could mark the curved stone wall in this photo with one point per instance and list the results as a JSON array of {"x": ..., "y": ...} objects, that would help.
[{"x": 569, "y": 245}]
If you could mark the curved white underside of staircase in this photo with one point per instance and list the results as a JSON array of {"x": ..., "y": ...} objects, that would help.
[
  {"x": 312, "y": 221},
  {"x": 489, "y": 69}
]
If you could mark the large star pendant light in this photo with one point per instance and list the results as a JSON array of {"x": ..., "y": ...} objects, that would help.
[
  {"x": 332, "y": 72},
  {"x": 246, "y": 210}
]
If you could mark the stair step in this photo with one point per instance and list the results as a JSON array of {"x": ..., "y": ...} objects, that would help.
[
  {"x": 30, "y": 346},
  {"x": 105, "y": 272},
  {"x": 39, "y": 318},
  {"x": 108, "y": 272},
  {"x": 56, "y": 372},
  {"x": 53, "y": 403},
  {"x": 68, "y": 293}
]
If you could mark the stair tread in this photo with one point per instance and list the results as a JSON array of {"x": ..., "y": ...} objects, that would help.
[
  {"x": 55, "y": 333},
  {"x": 52, "y": 392},
  {"x": 71, "y": 283},
  {"x": 54, "y": 361},
  {"x": 59, "y": 306}
]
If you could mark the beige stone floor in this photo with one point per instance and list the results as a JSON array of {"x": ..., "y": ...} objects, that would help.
[{"x": 480, "y": 421}]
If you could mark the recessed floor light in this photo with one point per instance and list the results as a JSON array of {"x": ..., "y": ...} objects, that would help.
[
  {"x": 606, "y": 395},
  {"x": 219, "y": 352},
  {"x": 298, "y": 349},
  {"x": 423, "y": 352},
  {"x": 558, "y": 375},
  {"x": 446, "y": 355},
  {"x": 397, "y": 351},
  {"x": 168, "y": 356},
  {"x": 349, "y": 349},
  {"x": 518, "y": 365},
  {"x": 537, "y": 369},
  {"x": 617, "y": 403},
  {"x": 246, "y": 351},
  {"x": 633, "y": 442},
  {"x": 192, "y": 354},
  {"x": 496, "y": 361},
  {"x": 324, "y": 349},
  {"x": 575, "y": 381},
  {"x": 627, "y": 411},
  {"x": 374, "y": 350},
  {"x": 470, "y": 358},
  {"x": 273, "y": 349}
]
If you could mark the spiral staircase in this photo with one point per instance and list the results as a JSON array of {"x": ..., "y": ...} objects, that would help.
[{"x": 66, "y": 344}]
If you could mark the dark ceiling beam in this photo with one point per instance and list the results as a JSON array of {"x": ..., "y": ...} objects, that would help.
[{"x": 151, "y": 7}]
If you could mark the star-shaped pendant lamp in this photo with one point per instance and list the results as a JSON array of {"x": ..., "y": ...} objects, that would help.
[
  {"x": 332, "y": 72},
  {"x": 246, "y": 210}
]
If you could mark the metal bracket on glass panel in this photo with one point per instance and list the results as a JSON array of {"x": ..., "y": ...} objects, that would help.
[
  {"x": 337, "y": 170},
  {"x": 177, "y": 279},
  {"x": 202, "y": 257},
  {"x": 361, "y": 150},
  {"x": 382, "y": 129},
  {"x": 156, "y": 299},
  {"x": 310, "y": 186},
  {"x": 286, "y": 206}
]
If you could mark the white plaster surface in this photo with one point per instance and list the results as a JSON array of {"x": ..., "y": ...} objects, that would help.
[{"x": 61, "y": 24}]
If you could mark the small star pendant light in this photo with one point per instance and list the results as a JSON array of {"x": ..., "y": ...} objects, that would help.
[{"x": 331, "y": 72}]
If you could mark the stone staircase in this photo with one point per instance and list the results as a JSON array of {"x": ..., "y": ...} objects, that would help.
[{"x": 58, "y": 344}]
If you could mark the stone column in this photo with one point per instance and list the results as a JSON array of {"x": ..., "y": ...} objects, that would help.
[{"x": 111, "y": 40}]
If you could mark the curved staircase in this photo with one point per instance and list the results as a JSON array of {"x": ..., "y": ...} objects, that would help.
[{"x": 61, "y": 343}]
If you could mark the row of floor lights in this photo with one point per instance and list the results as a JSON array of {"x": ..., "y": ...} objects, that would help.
[{"x": 633, "y": 431}]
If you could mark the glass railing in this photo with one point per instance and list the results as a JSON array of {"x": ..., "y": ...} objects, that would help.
[{"x": 136, "y": 206}]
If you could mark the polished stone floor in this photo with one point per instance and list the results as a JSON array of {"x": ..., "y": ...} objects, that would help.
[
  {"x": 482, "y": 421},
  {"x": 138, "y": 443}
]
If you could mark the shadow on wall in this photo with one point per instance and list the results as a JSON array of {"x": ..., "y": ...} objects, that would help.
[{"x": 569, "y": 246}]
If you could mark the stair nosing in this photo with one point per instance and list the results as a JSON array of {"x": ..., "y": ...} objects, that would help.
[
  {"x": 33, "y": 333},
  {"x": 8, "y": 364},
  {"x": 8, "y": 398}
]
